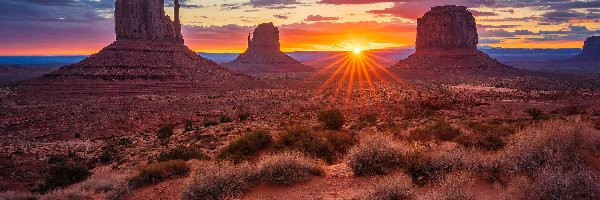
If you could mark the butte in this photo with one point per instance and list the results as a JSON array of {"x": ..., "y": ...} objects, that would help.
[
  {"x": 591, "y": 50},
  {"x": 264, "y": 54},
  {"x": 447, "y": 40},
  {"x": 148, "y": 55}
]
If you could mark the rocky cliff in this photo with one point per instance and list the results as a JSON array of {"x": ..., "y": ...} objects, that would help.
[
  {"x": 146, "y": 20},
  {"x": 591, "y": 50},
  {"x": 264, "y": 54},
  {"x": 447, "y": 39}
]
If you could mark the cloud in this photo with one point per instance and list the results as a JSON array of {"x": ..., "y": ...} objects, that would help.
[
  {"x": 274, "y": 4},
  {"x": 482, "y": 13},
  {"x": 281, "y": 16},
  {"x": 318, "y": 18},
  {"x": 340, "y": 2}
]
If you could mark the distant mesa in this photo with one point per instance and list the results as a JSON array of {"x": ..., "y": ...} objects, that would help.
[
  {"x": 447, "y": 39},
  {"x": 591, "y": 50},
  {"x": 148, "y": 47},
  {"x": 264, "y": 54}
]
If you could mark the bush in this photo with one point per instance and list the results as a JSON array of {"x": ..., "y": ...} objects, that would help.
[
  {"x": 374, "y": 156},
  {"x": 426, "y": 168},
  {"x": 306, "y": 140},
  {"x": 221, "y": 181},
  {"x": 331, "y": 119},
  {"x": 182, "y": 153},
  {"x": 367, "y": 119},
  {"x": 535, "y": 113},
  {"x": 245, "y": 147},
  {"x": 396, "y": 187},
  {"x": 243, "y": 116},
  {"x": 225, "y": 119},
  {"x": 17, "y": 195},
  {"x": 440, "y": 130},
  {"x": 63, "y": 175},
  {"x": 188, "y": 126},
  {"x": 157, "y": 172},
  {"x": 288, "y": 168},
  {"x": 165, "y": 132},
  {"x": 340, "y": 141},
  {"x": 556, "y": 184},
  {"x": 209, "y": 123},
  {"x": 564, "y": 143},
  {"x": 454, "y": 186}
]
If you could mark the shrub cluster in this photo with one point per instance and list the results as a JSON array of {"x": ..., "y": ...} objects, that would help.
[
  {"x": 182, "y": 153},
  {"x": 454, "y": 186},
  {"x": 535, "y": 113},
  {"x": 440, "y": 130},
  {"x": 157, "y": 172},
  {"x": 165, "y": 132},
  {"x": 374, "y": 156},
  {"x": 288, "y": 168},
  {"x": 396, "y": 187},
  {"x": 553, "y": 183},
  {"x": 331, "y": 119},
  {"x": 324, "y": 145},
  {"x": 221, "y": 181},
  {"x": 247, "y": 146},
  {"x": 64, "y": 174}
]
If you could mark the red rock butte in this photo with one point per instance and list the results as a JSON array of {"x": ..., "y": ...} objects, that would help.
[
  {"x": 149, "y": 47},
  {"x": 447, "y": 39},
  {"x": 591, "y": 50},
  {"x": 264, "y": 54}
]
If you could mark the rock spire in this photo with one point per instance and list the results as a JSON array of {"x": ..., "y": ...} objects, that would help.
[
  {"x": 591, "y": 50},
  {"x": 146, "y": 20}
]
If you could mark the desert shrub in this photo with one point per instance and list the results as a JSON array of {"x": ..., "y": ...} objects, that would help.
[
  {"x": 367, "y": 119},
  {"x": 374, "y": 156},
  {"x": 331, "y": 119},
  {"x": 63, "y": 175},
  {"x": 188, "y": 126},
  {"x": 306, "y": 140},
  {"x": 182, "y": 153},
  {"x": 455, "y": 186},
  {"x": 556, "y": 184},
  {"x": 245, "y": 147},
  {"x": 114, "y": 186},
  {"x": 17, "y": 195},
  {"x": 535, "y": 113},
  {"x": 225, "y": 119},
  {"x": 397, "y": 187},
  {"x": 165, "y": 132},
  {"x": 570, "y": 110},
  {"x": 209, "y": 123},
  {"x": 67, "y": 194},
  {"x": 439, "y": 130},
  {"x": 564, "y": 143},
  {"x": 243, "y": 116},
  {"x": 221, "y": 181},
  {"x": 340, "y": 141},
  {"x": 427, "y": 167},
  {"x": 157, "y": 172},
  {"x": 288, "y": 168}
]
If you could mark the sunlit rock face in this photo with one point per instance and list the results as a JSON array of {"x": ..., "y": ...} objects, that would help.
[
  {"x": 447, "y": 39},
  {"x": 446, "y": 28},
  {"x": 591, "y": 49},
  {"x": 264, "y": 54},
  {"x": 145, "y": 20}
]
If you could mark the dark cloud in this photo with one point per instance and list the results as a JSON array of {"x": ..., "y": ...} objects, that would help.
[
  {"x": 281, "y": 16},
  {"x": 318, "y": 18},
  {"x": 482, "y": 14},
  {"x": 274, "y": 4}
]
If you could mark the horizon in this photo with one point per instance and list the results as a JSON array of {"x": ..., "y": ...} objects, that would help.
[{"x": 84, "y": 27}]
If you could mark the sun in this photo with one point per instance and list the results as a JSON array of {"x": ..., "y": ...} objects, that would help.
[{"x": 357, "y": 50}]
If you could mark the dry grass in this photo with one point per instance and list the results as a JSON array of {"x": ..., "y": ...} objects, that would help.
[
  {"x": 556, "y": 184},
  {"x": 374, "y": 155},
  {"x": 455, "y": 186},
  {"x": 221, "y": 181},
  {"x": 17, "y": 195},
  {"x": 288, "y": 168},
  {"x": 397, "y": 187},
  {"x": 157, "y": 172}
]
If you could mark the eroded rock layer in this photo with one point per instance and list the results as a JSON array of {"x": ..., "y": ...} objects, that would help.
[
  {"x": 264, "y": 54},
  {"x": 591, "y": 50},
  {"x": 447, "y": 39}
]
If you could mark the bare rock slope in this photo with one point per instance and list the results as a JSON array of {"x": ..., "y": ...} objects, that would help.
[
  {"x": 264, "y": 54},
  {"x": 447, "y": 39}
]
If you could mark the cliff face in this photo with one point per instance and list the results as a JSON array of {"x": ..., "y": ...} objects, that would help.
[
  {"x": 264, "y": 54},
  {"x": 447, "y": 28},
  {"x": 447, "y": 39},
  {"x": 591, "y": 49},
  {"x": 146, "y": 20}
]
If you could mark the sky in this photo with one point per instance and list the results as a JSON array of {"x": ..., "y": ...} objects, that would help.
[{"x": 82, "y": 27}]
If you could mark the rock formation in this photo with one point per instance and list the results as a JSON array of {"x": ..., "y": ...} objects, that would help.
[
  {"x": 591, "y": 50},
  {"x": 264, "y": 54},
  {"x": 148, "y": 47},
  {"x": 447, "y": 39}
]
